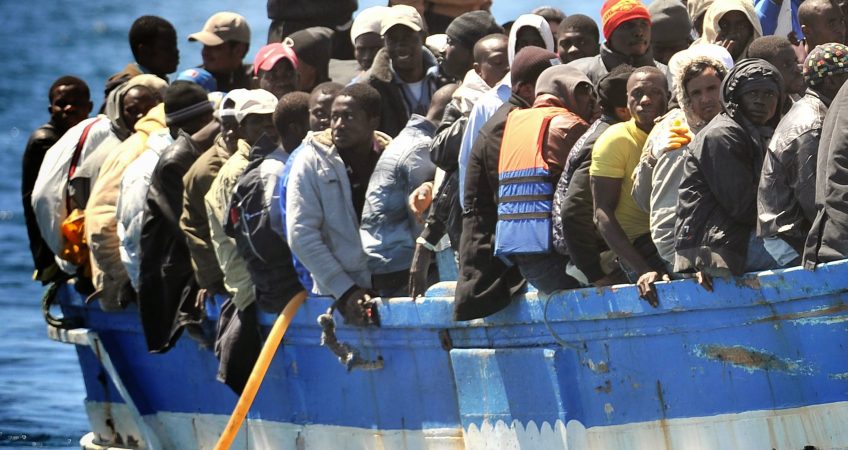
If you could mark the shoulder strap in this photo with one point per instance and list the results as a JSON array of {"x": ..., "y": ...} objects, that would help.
[{"x": 75, "y": 160}]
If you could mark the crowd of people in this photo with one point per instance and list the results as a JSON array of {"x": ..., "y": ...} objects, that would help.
[{"x": 670, "y": 141}]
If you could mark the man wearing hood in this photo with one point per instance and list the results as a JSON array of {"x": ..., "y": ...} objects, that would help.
[
  {"x": 527, "y": 30},
  {"x": 626, "y": 26},
  {"x": 565, "y": 104},
  {"x": 404, "y": 73},
  {"x": 716, "y": 210},
  {"x": 574, "y": 232},
  {"x": 698, "y": 76},
  {"x": 125, "y": 106},
  {"x": 732, "y": 24},
  {"x": 786, "y": 199},
  {"x": 671, "y": 29},
  {"x": 486, "y": 284}
]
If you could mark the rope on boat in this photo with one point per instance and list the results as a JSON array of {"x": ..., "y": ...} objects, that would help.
[
  {"x": 348, "y": 356},
  {"x": 553, "y": 333},
  {"x": 48, "y": 300}
]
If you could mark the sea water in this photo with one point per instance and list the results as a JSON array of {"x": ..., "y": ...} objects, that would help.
[{"x": 41, "y": 390}]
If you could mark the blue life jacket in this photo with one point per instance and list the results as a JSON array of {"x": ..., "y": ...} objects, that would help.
[{"x": 525, "y": 189}]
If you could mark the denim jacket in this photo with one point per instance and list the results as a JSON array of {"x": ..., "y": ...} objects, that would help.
[{"x": 388, "y": 229}]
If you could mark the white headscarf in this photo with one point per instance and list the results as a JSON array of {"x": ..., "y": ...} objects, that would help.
[{"x": 533, "y": 21}]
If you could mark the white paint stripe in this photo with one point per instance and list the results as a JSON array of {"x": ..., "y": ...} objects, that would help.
[{"x": 824, "y": 426}]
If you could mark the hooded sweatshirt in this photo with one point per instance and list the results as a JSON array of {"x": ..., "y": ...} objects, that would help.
[
  {"x": 721, "y": 7},
  {"x": 86, "y": 175},
  {"x": 533, "y": 21},
  {"x": 101, "y": 223},
  {"x": 717, "y": 207}
]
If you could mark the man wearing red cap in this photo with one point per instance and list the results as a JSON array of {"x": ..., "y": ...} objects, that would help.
[
  {"x": 275, "y": 69},
  {"x": 627, "y": 30}
]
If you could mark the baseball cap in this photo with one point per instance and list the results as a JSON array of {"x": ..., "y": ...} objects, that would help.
[
  {"x": 256, "y": 101},
  {"x": 201, "y": 77},
  {"x": 222, "y": 27},
  {"x": 369, "y": 20},
  {"x": 270, "y": 54},
  {"x": 238, "y": 96},
  {"x": 401, "y": 15}
]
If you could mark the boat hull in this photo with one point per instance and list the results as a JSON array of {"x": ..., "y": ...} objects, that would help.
[{"x": 759, "y": 363}]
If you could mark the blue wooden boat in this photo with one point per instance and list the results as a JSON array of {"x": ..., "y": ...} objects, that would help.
[{"x": 760, "y": 363}]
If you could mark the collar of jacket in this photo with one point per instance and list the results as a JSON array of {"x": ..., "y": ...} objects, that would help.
[
  {"x": 823, "y": 98},
  {"x": 382, "y": 70},
  {"x": 421, "y": 124},
  {"x": 516, "y": 100},
  {"x": 613, "y": 59},
  {"x": 323, "y": 141}
]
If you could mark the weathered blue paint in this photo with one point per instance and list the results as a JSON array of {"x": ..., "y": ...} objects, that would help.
[{"x": 599, "y": 356}]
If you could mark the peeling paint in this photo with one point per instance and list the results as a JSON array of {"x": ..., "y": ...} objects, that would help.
[
  {"x": 749, "y": 282},
  {"x": 601, "y": 367},
  {"x": 800, "y": 317},
  {"x": 608, "y": 410},
  {"x": 606, "y": 388},
  {"x": 750, "y": 359},
  {"x": 619, "y": 314}
]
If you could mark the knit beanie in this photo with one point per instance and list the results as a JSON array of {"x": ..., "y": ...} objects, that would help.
[
  {"x": 472, "y": 26},
  {"x": 669, "y": 21},
  {"x": 616, "y": 12},
  {"x": 529, "y": 63},
  {"x": 612, "y": 88},
  {"x": 185, "y": 100},
  {"x": 825, "y": 60}
]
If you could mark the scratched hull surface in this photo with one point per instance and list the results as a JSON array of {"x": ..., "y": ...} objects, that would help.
[{"x": 758, "y": 363}]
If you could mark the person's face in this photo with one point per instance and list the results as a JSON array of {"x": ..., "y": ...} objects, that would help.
[
  {"x": 735, "y": 32},
  {"x": 586, "y": 102},
  {"x": 69, "y": 106},
  {"x": 787, "y": 64},
  {"x": 222, "y": 58},
  {"x": 647, "y": 98},
  {"x": 759, "y": 105},
  {"x": 575, "y": 44},
  {"x": 528, "y": 36},
  {"x": 828, "y": 25},
  {"x": 458, "y": 59},
  {"x": 136, "y": 103},
  {"x": 255, "y": 125},
  {"x": 320, "y": 107},
  {"x": 280, "y": 80},
  {"x": 351, "y": 126},
  {"x": 704, "y": 92},
  {"x": 632, "y": 38},
  {"x": 494, "y": 63},
  {"x": 365, "y": 49},
  {"x": 162, "y": 55},
  {"x": 229, "y": 131},
  {"x": 404, "y": 47},
  {"x": 663, "y": 51}
]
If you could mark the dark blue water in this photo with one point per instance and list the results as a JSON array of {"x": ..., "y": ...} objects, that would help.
[{"x": 41, "y": 391}]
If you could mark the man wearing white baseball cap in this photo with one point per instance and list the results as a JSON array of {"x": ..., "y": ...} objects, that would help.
[{"x": 226, "y": 39}]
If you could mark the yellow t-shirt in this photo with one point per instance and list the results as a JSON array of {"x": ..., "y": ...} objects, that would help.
[{"x": 616, "y": 155}]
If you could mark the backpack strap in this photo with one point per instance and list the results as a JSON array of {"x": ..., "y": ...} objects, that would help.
[{"x": 75, "y": 161}]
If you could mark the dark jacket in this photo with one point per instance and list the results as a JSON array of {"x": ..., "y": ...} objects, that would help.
[
  {"x": 39, "y": 142},
  {"x": 828, "y": 239},
  {"x": 239, "y": 79},
  {"x": 167, "y": 289},
  {"x": 595, "y": 67},
  {"x": 574, "y": 230},
  {"x": 486, "y": 284},
  {"x": 446, "y": 213},
  {"x": 786, "y": 201},
  {"x": 396, "y": 105},
  {"x": 255, "y": 223},
  {"x": 716, "y": 210},
  {"x": 327, "y": 12}
]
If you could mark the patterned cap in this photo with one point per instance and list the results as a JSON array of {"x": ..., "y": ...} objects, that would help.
[{"x": 825, "y": 60}]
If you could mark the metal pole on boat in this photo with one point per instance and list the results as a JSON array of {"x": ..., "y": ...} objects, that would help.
[{"x": 259, "y": 370}]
